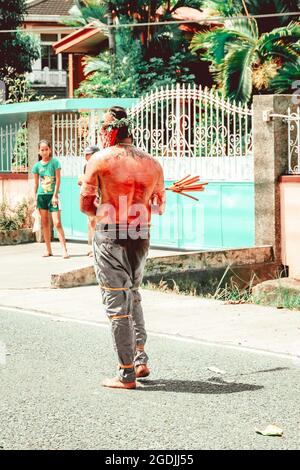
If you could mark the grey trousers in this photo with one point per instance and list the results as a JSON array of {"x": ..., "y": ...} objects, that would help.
[{"x": 119, "y": 263}]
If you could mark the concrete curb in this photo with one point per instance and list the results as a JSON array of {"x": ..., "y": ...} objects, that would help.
[
  {"x": 74, "y": 278},
  {"x": 206, "y": 268}
]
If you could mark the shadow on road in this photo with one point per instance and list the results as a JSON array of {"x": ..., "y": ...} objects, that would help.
[{"x": 209, "y": 386}]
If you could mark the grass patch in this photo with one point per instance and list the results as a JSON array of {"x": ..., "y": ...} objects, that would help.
[
  {"x": 281, "y": 298},
  {"x": 164, "y": 286},
  {"x": 233, "y": 293}
]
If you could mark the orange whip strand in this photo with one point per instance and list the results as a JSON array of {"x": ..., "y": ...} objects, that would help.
[{"x": 187, "y": 184}]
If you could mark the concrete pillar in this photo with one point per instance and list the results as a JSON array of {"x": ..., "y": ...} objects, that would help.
[
  {"x": 39, "y": 127},
  {"x": 270, "y": 142}
]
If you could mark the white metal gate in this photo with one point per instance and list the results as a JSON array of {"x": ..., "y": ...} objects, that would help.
[
  {"x": 71, "y": 133},
  {"x": 187, "y": 128},
  {"x": 194, "y": 130},
  {"x": 293, "y": 121},
  {"x": 13, "y": 148}
]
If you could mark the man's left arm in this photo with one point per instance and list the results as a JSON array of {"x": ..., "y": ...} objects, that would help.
[{"x": 89, "y": 187}]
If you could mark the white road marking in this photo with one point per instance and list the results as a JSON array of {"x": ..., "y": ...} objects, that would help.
[{"x": 294, "y": 357}]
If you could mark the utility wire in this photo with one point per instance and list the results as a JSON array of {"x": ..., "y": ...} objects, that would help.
[{"x": 157, "y": 23}]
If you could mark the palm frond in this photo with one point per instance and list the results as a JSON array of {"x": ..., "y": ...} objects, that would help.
[
  {"x": 95, "y": 12},
  {"x": 214, "y": 42},
  {"x": 290, "y": 33},
  {"x": 286, "y": 79},
  {"x": 83, "y": 13},
  {"x": 237, "y": 73},
  {"x": 244, "y": 27},
  {"x": 75, "y": 17},
  {"x": 95, "y": 64},
  {"x": 286, "y": 52}
]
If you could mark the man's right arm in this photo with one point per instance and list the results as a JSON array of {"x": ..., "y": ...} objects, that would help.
[
  {"x": 89, "y": 187},
  {"x": 159, "y": 192}
]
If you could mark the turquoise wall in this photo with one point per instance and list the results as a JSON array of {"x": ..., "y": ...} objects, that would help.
[{"x": 222, "y": 218}]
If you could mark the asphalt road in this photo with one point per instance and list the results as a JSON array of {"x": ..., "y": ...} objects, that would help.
[{"x": 51, "y": 394}]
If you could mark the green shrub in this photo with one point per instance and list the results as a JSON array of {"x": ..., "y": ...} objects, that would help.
[{"x": 16, "y": 218}]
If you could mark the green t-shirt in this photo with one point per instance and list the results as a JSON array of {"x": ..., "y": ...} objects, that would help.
[{"x": 47, "y": 175}]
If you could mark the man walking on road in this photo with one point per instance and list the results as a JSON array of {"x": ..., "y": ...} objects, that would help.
[{"x": 132, "y": 185}]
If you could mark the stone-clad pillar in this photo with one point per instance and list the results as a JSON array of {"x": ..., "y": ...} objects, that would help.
[
  {"x": 270, "y": 142},
  {"x": 39, "y": 127}
]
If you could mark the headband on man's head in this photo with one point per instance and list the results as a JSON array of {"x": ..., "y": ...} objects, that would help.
[
  {"x": 118, "y": 124},
  {"x": 115, "y": 128}
]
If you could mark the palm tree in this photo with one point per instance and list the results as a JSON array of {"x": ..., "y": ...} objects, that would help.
[
  {"x": 242, "y": 59},
  {"x": 287, "y": 79},
  {"x": 256, "y": 7}
]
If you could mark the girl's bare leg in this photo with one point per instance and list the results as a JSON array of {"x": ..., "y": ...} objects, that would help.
[
  {"x": 46, "y": 231},
  {"x": 60, "y": 232}
]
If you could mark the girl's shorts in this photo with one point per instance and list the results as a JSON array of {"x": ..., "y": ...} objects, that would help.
[{"x": 44, "y": 201}]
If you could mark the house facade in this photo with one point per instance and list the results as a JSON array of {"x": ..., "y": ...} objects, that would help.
[
  {"x": 89, "y": 40},
  {"x": 50, "y": 71}
]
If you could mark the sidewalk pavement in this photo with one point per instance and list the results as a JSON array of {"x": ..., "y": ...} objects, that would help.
[{"x": 25, "y": 284}]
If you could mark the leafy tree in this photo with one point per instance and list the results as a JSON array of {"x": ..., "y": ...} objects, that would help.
[
  {"x": 242, "y": 59},
  {"x": 140, "y": 57},
  {"x": 17, "y": 49},
  {"x": 131, "y": 74}
]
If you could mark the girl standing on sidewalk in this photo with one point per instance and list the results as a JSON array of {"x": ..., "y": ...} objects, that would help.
[{"x": 46, "y": 187}]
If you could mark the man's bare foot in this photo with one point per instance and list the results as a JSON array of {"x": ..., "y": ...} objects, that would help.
[
  {"x": 142, "y": 371},
  {"x": 116, "y": 383},
  {"x": 46, "y": 255},
  {"x": 66, "y": 256}
]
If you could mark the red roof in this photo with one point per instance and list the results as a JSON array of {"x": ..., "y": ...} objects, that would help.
[{"x": 84, "y": 40}]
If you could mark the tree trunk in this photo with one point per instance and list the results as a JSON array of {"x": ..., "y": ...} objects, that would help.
[{"x": 111, "y": 31}]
